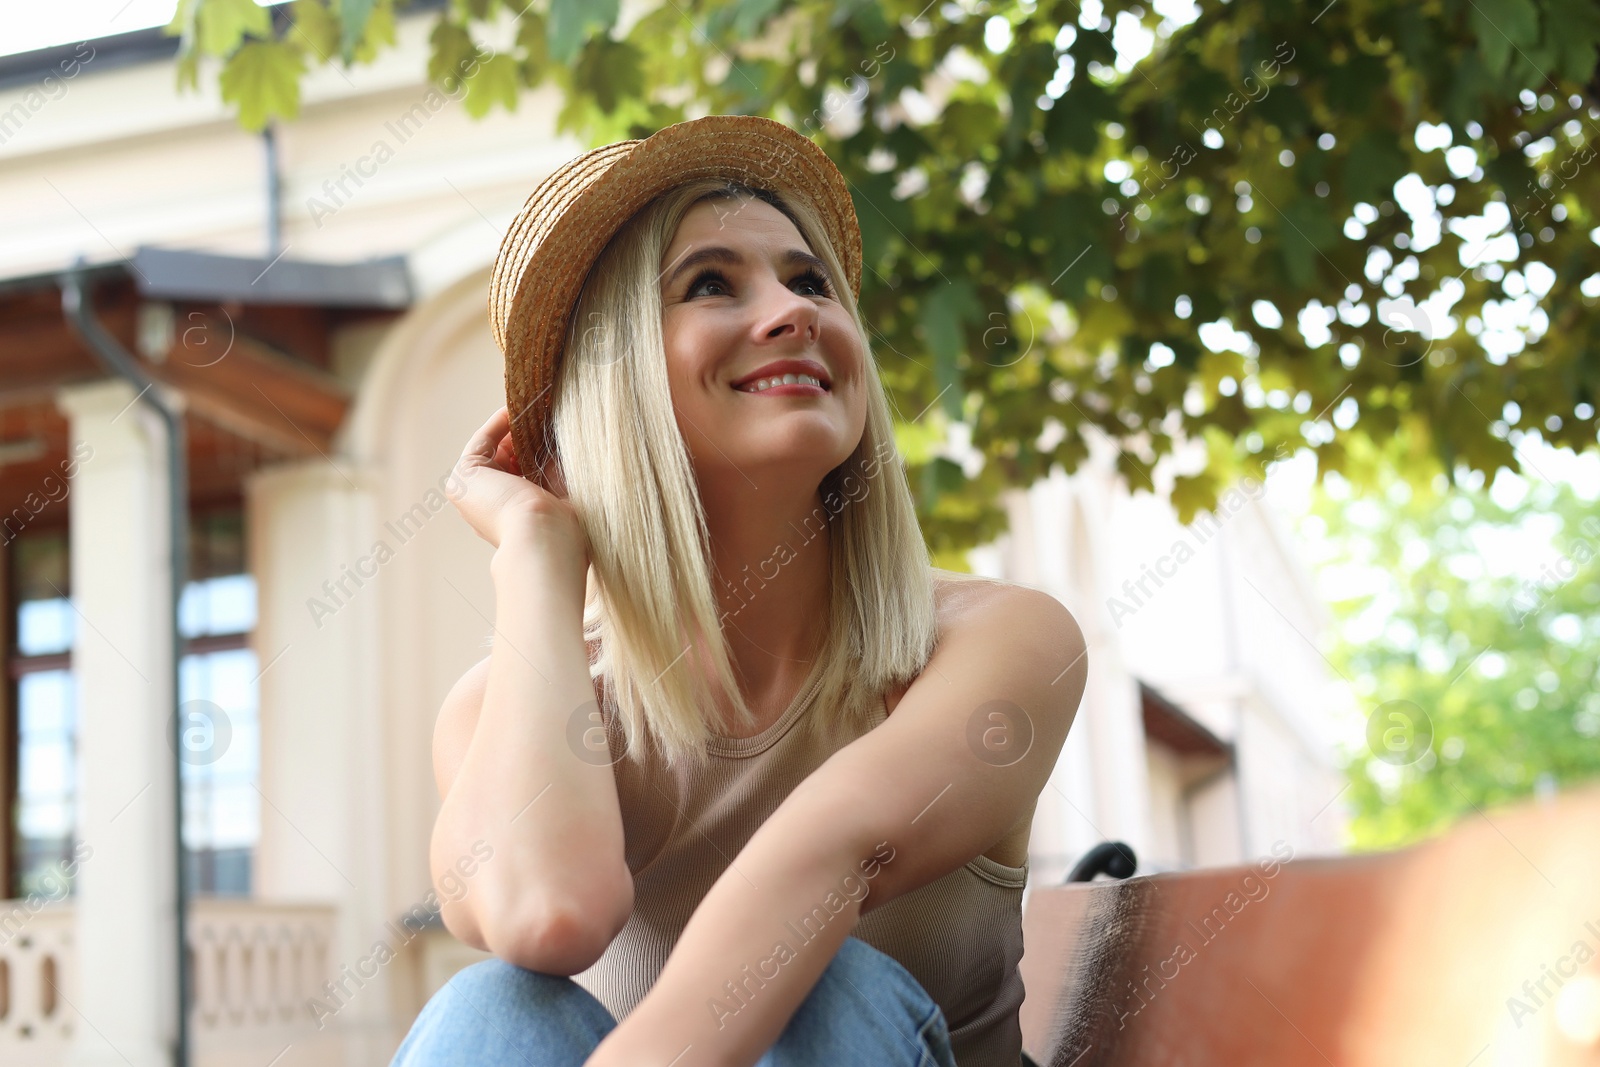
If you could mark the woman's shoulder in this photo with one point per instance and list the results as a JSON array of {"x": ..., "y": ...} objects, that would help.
[
  {"x": 984, "y": 620},
  {"x": 972, "y": 611},
  {"x": 965, "y": 599}
]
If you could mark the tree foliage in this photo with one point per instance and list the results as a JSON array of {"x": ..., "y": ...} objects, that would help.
[
  {"x": 1283, "y": 226},
  {"x": 1479, "y": 669}
]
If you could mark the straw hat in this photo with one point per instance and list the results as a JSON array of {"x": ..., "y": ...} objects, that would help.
[{"x": 566, "y": 223}]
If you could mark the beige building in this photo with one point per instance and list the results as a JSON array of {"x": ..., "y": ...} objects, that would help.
[{"x": 327, "y": 376}]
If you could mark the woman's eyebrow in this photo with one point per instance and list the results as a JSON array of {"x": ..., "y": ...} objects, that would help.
[
  {"x": 797, "y": 257},
  {"x": 710, "y": 254}
]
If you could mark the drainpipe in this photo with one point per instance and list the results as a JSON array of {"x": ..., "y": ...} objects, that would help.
[
  {"x": 269, "y": 141},
  {"x": 79, "y": 311}
]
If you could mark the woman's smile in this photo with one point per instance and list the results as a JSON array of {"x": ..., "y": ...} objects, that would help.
[{"x": 786, "y": 377}]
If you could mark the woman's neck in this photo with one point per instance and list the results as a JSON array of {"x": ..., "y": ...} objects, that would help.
[{"x": 771, "y": 578}]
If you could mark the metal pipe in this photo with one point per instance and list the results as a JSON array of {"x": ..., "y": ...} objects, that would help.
[
  {"x": 269, "y": 139},
  {"x": 79, "y": 311}
]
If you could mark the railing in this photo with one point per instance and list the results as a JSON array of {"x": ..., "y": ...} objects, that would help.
[
  {"x": 37, "y": 978},
  {"x": 257, "y": 967}
]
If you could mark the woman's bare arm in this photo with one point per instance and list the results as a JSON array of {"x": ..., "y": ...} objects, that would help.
[{"x": 556, "y": 889}]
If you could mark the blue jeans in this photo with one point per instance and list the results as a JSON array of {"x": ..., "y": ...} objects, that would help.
[{"x": 865, "y": 1009}]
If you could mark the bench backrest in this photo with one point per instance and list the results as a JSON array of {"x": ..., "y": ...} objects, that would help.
[{"x": 1481, "y": 947}]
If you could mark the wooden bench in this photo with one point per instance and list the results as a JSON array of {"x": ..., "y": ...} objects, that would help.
[{"x": 1476, "y": 949}]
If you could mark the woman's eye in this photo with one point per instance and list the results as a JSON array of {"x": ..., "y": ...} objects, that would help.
[
  {"x": 814, "y": 281},
  {"x": 708, "y": 284}
]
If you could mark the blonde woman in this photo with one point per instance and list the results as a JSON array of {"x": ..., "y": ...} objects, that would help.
[{"x": 752, "y": 777}]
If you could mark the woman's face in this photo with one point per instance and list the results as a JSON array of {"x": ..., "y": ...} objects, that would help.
[{"x": 744, "y": 301}]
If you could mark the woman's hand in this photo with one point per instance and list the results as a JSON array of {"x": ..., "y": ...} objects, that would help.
[{"x": 491, "y": 493}]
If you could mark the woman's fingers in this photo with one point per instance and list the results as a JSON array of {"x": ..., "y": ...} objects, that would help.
[
  {"x": 483, "y": 445},
  {"x": 506, "y": 457}
]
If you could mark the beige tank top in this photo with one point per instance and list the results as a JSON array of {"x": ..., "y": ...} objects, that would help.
[{"x": 960, "y": 936}]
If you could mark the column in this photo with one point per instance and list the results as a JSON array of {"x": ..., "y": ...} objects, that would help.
[
  {"x": 126, "y": 991},
  {"x": 323, "y": 753}
]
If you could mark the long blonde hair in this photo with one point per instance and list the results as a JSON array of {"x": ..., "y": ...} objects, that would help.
[{"x": 628, "y": 474}]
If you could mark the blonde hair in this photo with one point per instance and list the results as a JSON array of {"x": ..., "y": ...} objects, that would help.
[{"x": 628, "y": 474}]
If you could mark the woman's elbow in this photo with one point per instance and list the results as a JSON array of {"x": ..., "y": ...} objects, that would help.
[
  {"x": 559, "y": 939},
  {"x": 462, "y": 924}
]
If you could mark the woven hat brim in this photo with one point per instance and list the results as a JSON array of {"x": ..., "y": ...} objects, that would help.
[{"x": 547, "y": 253}]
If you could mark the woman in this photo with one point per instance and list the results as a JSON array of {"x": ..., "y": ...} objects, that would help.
[{"x": 776, "y": 808}]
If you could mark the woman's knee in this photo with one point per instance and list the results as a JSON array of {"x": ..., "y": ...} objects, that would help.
[
  {"x": 859, "y": 969},
  {"x": 495, "y": 1012},
  {"x": 864, "y": 1002}
]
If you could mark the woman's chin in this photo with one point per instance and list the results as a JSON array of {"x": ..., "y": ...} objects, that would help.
[{"x": 796, "y": 457}]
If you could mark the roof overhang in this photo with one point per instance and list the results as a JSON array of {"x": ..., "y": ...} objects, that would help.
[
  {"x": 178, "y": 274},
  {"x": 1168, "y": 724}
]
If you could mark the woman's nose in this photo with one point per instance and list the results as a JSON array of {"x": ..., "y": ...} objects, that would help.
[{"x": 786, "y": 313}]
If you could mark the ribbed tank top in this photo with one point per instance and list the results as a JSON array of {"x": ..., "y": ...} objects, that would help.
[{"x": 960, "y": 936}]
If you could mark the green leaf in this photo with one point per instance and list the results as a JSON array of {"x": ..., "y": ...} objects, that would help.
[
  {"x": 315, "y": 27},
  {"x": 1352, "y": 83},
  {"x": 263, "y": 80},
  {"x": 224, "y": 23},
  {"x": 495, "y": 81},
  {"x": 1193, "y": 493},
  {"x": 751, "y": 85},
  {"x": 573, "y": 22},
  {"x": 1375, "y": 163},
  {"x": 532, "y": 40},
  {"x": 353, "y": 16},
  {"x": 1501, "y": 26},
  {"x": 1572, "y": 30},
  {"x": 869, "y": 21},
  {"x": 945, "y": 312},
  {"x": 1308, "y": 230},
  {"x": 188, "y": 70},
  {"x": 940, "y": 478},
  {"x": 882, "y": 218},
  {"x": 1464, "y": 99},
  {"x": 1074, "y": 122},
  {"x": 969, "y": 126},
  {"x": 379, "y": 32},
  {"x": 609, "y": 71},
  {"x": 454, "y": 54},
  {"x": 1511, "y": 172},
  {"x": 183, "y": 21},
  {"x": 745, "y": 17},
  {"x": 185, "y": 26}
]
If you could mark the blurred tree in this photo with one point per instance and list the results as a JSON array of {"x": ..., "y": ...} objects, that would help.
[
  {"x": 1260, "y": 226},
  {"x": 1475, "y": 650}
]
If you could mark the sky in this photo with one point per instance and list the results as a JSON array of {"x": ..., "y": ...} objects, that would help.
[{"x": 33, "y": 24}]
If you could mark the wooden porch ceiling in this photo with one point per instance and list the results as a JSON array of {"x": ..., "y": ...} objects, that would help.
[
  {"x": 256, "y": 380},
  {"x": 1175, "y": 728}
]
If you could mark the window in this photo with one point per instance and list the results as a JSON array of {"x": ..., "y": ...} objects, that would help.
[
  {"x": 217, "y": 690},
  {"x": 45, "y": 810},
  {"x": 219, "y": 708}
]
